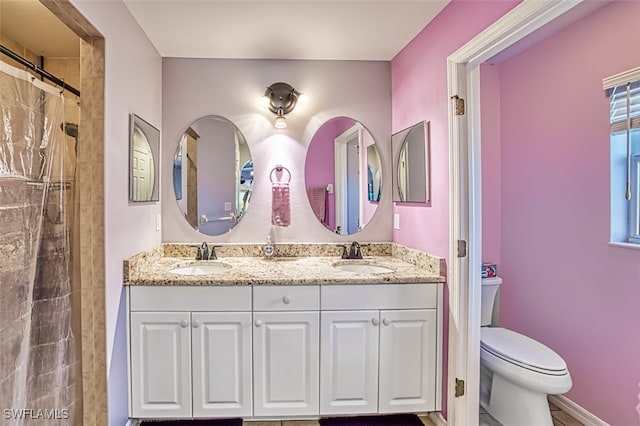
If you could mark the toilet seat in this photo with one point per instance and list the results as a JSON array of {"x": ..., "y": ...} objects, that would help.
[{"x": 521, "y": 351}]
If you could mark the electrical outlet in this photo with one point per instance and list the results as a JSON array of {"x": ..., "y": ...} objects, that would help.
[
  {"x": 158, "y": 222},
  {"x": 227, "y": 206},
  {"x": 396, "y": 221}
]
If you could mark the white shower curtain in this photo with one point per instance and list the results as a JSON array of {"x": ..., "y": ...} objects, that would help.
[{"x": 39, "y": 362}]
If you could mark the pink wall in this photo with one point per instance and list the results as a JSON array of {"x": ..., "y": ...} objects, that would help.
[
  {"x": 419, "y": 92},
  {"x": 490, "y": 136},
  {"x": 563, "y": 284}
]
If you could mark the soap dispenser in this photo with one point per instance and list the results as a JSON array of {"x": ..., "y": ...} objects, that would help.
[{"x": 268, "y": 248}]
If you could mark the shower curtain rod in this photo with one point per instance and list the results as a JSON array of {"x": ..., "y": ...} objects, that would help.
[{"x": 38, "y": 70}]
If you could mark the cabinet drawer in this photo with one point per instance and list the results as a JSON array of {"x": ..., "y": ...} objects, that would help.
[
  {"x": 190, "y": 298},
  {"x": 286, "y": 298},
  {"x": 380, "y": 296}
]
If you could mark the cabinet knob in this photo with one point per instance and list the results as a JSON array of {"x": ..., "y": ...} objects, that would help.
[
  {"x": 195, "y": 324},
  {"x": 184, "y": 323},
  {"x": 386, "y": 321},
  {"x": 286, "y": 300},
  {"x": 258, "y": 323},
  {"x": 375, "y": 321}
]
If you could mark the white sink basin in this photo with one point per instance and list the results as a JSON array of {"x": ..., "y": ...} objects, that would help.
[
  {"x": 362, "y": 268},
  {"x": 200, "y": 269}
]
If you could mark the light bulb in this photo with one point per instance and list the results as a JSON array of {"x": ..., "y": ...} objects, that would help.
[{"x": 280, "y": 123}]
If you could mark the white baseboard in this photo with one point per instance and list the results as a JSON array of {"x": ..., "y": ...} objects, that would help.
[
  {"x": 576, "y": 411},
  {"x": 437, "y": 418}
]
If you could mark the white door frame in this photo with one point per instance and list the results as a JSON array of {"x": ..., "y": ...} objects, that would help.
[
  {"x": 463, "y": 75},
  {"x": 340, "y": 184}
]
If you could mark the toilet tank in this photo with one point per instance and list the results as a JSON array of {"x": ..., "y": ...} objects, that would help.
[{"x": 489, "y": 290}]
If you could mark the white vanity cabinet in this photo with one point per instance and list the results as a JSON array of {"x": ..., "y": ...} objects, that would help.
[
  {"x": 190, "y": 352},
  {"x": 286, "y": 350},
  {"x": 380, "y": 348}
]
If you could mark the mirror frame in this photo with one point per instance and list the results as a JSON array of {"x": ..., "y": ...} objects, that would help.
[
  {"x": 398, "y": 142},
  {"x": 153, "y": 138}
]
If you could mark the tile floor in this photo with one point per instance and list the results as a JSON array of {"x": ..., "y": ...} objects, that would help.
[{"x": 560, "y": 418}]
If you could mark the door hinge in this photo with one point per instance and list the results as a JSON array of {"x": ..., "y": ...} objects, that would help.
[
  {"x": 462, "y": 248},
  {"x": 459, "y": 387},
  {"x": 459, "y": 104}
]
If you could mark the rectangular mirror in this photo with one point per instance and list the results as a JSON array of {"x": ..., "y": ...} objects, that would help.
[
  {"x": 410, "y": 150},
  {"x": 144, "y": 154}
]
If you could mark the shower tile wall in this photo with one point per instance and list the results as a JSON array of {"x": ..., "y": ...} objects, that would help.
[
  {"x": 90, "y": 178},
  {"x": 19, "y": 49}
]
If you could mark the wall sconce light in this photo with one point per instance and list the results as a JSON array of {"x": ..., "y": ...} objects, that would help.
[{"x": 281, "y": 99}]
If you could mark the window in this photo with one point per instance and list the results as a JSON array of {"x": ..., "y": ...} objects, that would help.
[
  {"x": 624, "y": 92},
  {"x": 634, "y": 208}
]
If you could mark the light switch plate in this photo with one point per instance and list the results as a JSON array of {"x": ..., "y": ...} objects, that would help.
[
  {"x": 227, "y": 206},
  {"x": 158, "y": 222},
  {"x": 396, "y": 221}
]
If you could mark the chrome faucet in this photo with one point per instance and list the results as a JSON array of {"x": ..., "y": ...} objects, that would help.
[
  {"x": 354, "y": 252},
  {"x": 205, "y": 252}
]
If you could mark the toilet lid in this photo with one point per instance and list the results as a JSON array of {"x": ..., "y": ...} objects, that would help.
[{"x": 521, "y": 350}]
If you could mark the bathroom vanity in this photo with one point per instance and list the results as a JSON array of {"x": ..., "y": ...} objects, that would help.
[{"x": 284, "y": 338}]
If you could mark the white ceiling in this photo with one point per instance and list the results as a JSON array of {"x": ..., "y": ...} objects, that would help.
[
  {"x": 286, "y": 29},
  {"x": 257, "y": 29}
]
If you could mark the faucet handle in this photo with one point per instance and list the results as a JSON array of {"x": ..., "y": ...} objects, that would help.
[
  {"x": 212, "y": 254},
  {"x": 344, "y": 250},
  {"x": 199, "y": 254}
]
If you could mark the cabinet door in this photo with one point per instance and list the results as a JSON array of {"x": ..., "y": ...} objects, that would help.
[
  {"x": 221, "y": 346},
  {"x": 285, "y": 367},
  {"x": 349, "y": 362},
  {"x": 160, "y": 364},
  {"x": 408, "y": 347}
]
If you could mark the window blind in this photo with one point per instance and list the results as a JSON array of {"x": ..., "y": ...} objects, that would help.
[{"x": 619, "y": 101}]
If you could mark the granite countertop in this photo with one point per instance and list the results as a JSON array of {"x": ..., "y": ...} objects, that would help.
[{"x": 294, "y": 264}]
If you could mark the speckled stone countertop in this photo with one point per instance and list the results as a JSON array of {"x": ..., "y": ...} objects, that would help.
[{"x": 293, "y": 264}]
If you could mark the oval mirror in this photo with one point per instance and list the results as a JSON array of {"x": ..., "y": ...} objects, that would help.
[
  {"x": 411, "y": 149},
  {"x": 213, "y": 175},
  {"x": 343, "y": 175}
]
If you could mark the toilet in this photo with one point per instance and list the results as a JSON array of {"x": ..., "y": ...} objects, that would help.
[{"x": 516, "y": 372}]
